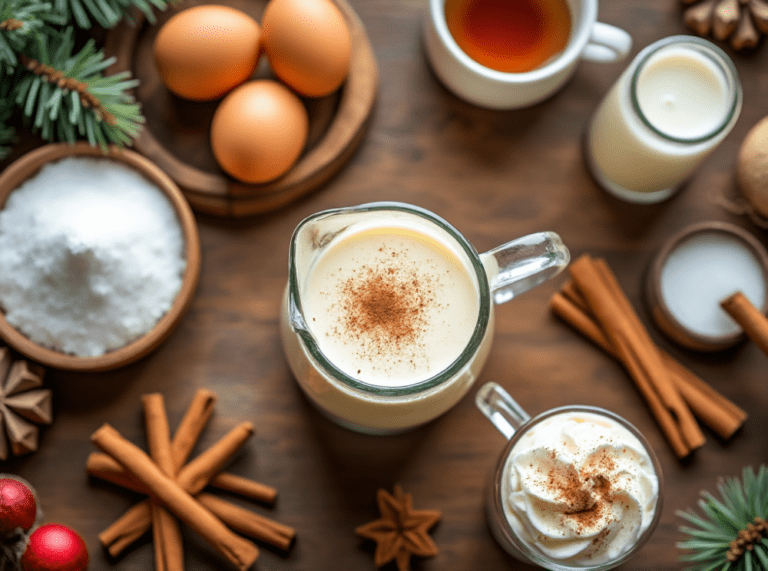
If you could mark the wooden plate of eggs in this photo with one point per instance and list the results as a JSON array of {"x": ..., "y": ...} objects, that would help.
[{"x": 249, "y": 104}]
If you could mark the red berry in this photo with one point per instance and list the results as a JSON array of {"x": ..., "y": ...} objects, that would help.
[
  {"x": 54, "y": 547},
  {"x": 17, "y": 507}
]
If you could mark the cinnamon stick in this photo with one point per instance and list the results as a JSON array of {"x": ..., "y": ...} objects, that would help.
[
  {"x": 192, "y": 478},
  {"x": 720, "y": 414},
  {"x": 195, "y": 475},
  {"x": 239, "y": 551},
  {"x": 125, "y": 530},
  {"x": 137, "y": 520},
  {"x": 249, "y": 523},
  {"x": 104, "y": 467},
  {"x": 671, "y": 396},
  {"x": 169, "y": 549},
  {"x": 191, "y": 426},
  {"x": 637, "y": 352},
  {"x": 244, "y": 487},
  {"x": 751, "y": 319}
]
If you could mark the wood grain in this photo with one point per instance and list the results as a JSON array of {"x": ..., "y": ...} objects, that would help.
[{"x": 495, "y": 176}]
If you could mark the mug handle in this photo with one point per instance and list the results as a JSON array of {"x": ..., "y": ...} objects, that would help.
[
  {"x": 501, "y": 409},
  {"x": 607, "y": 44},
  {"x": 522, "y": 264}
]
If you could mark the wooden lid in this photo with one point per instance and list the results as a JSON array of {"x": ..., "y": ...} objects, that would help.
[
  {"x": 176, "y": 133},
  {"x": 28, "y": 165}
]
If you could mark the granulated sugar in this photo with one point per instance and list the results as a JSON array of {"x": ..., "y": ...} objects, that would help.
[{"x": 91, "y": 256}]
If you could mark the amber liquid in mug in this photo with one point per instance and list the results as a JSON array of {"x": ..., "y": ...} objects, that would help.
[{"x": 512, "y": 36}]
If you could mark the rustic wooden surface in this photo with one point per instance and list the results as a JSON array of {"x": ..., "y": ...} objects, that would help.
[{"x": 495, "y": 175}]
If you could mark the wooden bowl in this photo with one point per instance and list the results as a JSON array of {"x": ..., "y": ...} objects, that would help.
[
  {"x": 657, "y": 304},
  {"x": 28, "y": 165},
  {"x": 176, "y": 133}
]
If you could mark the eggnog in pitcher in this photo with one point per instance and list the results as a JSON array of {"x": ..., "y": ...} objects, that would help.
[
  {"x": 388, "y": 314},
  {"x": 395, "y": 334},
  {"x": 665, "y": 114},
  {"x": 391, "y": 306}
]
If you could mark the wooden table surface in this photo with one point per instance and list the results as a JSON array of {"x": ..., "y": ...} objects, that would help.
[{"x": 496, "y": 176}]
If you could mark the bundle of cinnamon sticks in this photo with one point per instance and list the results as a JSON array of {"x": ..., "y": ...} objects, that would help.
[
  {"x": 175, "y": 488},
  {"x": 595, "y": 305}
]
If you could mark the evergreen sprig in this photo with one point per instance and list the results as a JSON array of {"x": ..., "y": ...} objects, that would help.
[
  {"x": 105, "y": 13},
  {"x": 61, "y": 91},
  {"x": 19, "y": 21},
  {"x": 64, "y": 95},
  {"x": 723, "y": 538},
  {"x": 7, "y": 133}
]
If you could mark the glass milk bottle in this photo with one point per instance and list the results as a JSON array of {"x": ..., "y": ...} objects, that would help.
[{"x": 670, "y": 108}]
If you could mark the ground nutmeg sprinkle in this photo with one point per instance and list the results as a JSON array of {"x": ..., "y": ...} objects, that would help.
[{"x": 384, "y": 306}]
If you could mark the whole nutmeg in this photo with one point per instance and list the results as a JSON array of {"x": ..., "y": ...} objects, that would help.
[
  {"x": 55, "y": 547},
  {"x": 752, "y": 167},
  {"x": 18, "y": 508}
]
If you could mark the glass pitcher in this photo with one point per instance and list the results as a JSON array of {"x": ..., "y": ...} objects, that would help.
[{"x": 419, "y": 315}]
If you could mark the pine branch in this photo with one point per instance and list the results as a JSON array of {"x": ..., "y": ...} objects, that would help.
[
  {"x": 7, "y": 133},
  {"x": 63, "y": 95},
  {"x": 19, "y": 21},
  {"x": 105, "y": 13},
  {"x": 732, "y": 533}
]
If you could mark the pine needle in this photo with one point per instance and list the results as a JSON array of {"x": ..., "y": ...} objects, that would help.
[{"x": 710, "y": 533}]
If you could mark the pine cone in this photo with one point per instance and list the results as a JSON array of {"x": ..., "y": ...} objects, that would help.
[{"x": 741, "y": 21}]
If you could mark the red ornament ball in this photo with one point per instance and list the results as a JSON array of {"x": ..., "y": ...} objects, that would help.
[
  {"x": 18, "y": 508},
  {"x": 54, "y": 547}
]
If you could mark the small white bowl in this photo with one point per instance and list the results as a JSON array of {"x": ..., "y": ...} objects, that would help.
[{"x": 720, "y": 281}]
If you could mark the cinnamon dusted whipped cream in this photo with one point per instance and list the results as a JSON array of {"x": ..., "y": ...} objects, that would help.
[{"x": 579, "y": 488}]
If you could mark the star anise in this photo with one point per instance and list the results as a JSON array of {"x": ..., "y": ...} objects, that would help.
[
  {"x": 741, "y": 21},
  {"x": 401, "y": 531},
  {"x": 23, "y": 405}
]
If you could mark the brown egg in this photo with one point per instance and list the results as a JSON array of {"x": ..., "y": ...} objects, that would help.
[
  {"x": 203, "y": 52},
  {"x": 259, "y": 131},
  {"x": 308, "y": 44}
]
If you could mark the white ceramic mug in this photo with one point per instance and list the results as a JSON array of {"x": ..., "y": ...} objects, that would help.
[{"x": 589, "y": 39}]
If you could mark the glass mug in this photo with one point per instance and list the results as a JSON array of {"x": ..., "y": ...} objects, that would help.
[
  {"x": 582, "y": 478},
  {"x": 410, "y": 324}
]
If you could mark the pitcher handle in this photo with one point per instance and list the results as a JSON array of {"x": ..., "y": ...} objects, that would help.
[
  {"x": 522, "y": 264},
  {"x": 501, "y": 409},
  {"x": 607, "y": 44}
]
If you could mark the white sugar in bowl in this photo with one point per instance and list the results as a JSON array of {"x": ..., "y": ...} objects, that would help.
[{"x": 99, "y": 254}]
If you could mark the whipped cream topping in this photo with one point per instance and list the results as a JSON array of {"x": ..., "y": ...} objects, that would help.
[{"x": 580, "y": 489}]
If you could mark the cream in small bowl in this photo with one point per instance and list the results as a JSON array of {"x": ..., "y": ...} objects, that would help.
[
  {"x": 696, "y": 269},
  {"x": 99, "y": 256}
]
